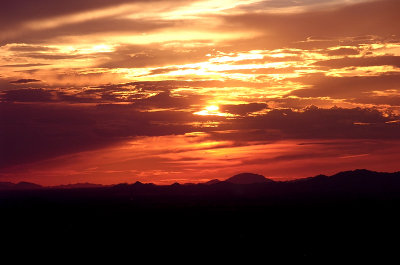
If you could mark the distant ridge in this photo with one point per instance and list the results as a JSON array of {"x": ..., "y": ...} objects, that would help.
[
  {"x": 248, "y": 178},
  {"x": 213, "y": 181},
  {"x": 349, "y": 181},
  {"x": 19, "y": 186},
  {"x": 78, "y": 186}
]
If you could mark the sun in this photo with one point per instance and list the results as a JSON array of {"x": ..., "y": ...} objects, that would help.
[{"x": 211, "y": 110}]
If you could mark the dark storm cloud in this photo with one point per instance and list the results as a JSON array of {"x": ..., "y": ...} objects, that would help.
[{"x": 361, "y": 62}]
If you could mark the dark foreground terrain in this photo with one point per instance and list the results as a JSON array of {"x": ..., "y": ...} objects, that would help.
[{"x": 352, "y": 213}]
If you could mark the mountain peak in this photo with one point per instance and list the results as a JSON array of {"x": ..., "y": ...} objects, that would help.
[
  {"x": 138, "y": 183},
  {"x": 360, "y": 173},
  {"x": 213, "y": 181},
  {"x": 248, "y": 178}
]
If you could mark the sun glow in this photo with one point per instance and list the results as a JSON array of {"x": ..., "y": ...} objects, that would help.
[{"x": 211, "y": 110}]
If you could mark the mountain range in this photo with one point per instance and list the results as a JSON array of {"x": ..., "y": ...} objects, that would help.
[
  {"x": 348, "y": 213},
  {"x": 356, "y": 181}
]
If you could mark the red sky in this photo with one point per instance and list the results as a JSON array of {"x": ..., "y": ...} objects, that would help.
[{"x": 164, "y": 91}]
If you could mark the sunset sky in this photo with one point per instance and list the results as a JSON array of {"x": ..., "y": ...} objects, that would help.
[{"x": 191, "y": 90}]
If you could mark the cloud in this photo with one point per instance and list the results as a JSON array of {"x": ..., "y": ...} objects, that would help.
[
  {"x": 370, "y": 98},
  {"x": 343, "y": 51},
  {"x": 78, "y": 96},
  {"x": 27, "y": 95},
  {"x": 243, "y": 109},
  {"x": 300, "y": 103},
  {"x": 24, "y": 81},
  {"x": 24, "y": 65},
  {"x": 29, "y": 48},
  {"x": 46, "y": 131},
  {"x": 44, "y": 21},
  {"x": 102, "y": 26},
  {"x": 347, "y": 87},
  {"x": 15, "y": 84},
  {"x": 18, "y": 11},
  {"x": 318, "y": 123},
  {"x": 299, "y": 6},
  {"x": 166, "y": 100},
  {"x": 142, "y": 95},
  {"x": 263, "y": 71},
  {"x": 336, "y": 23},
  {"x": 137, "y": 56},
  {"x": 361, "y": 61}
]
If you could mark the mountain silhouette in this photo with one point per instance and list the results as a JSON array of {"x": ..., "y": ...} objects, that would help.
[
  {"x": 213, "y": 181},
  {"x": 354, "y": 181},
  {"x": 6, "y": 185},
  {"x": 19, "y": 186},
  {"x": 78, "y": 186},
  {"x": 248, "y": 178},
  {"x": 322, "y": 215}
]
